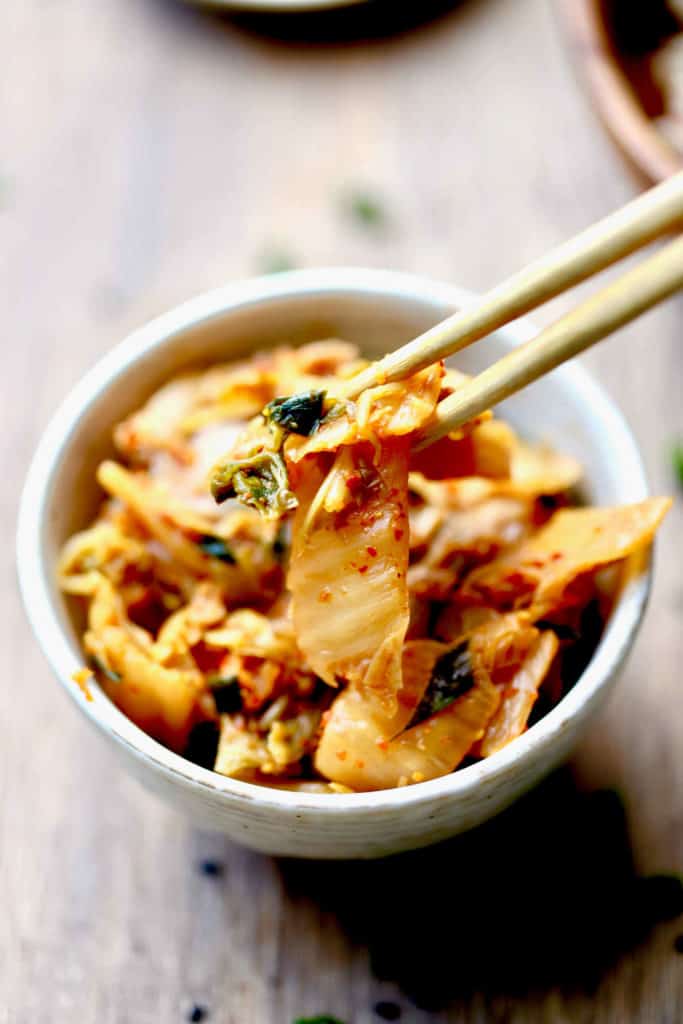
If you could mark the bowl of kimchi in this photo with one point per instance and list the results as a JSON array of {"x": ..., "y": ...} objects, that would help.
[{"x": 356, "y": 649}]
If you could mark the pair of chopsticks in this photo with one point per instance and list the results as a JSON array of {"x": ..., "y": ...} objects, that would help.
[{"x": 657, "y": 212}]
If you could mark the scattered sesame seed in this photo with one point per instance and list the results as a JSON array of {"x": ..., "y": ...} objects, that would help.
[
  {"x": 213, "y": 869},
  {"x": 197, "y": 1013}
]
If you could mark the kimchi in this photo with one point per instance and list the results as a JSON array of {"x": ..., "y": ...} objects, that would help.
[{"x": 278, "y": 587}]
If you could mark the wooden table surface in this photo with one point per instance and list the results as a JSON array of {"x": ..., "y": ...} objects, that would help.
[{"x": 150, "y": 152}]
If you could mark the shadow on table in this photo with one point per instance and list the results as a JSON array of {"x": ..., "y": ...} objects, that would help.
[
  {"x": 546, "y": 895},
  {"x": 377, "y": 19}
]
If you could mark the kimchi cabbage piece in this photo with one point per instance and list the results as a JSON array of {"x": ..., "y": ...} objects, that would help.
[{"x": 279, "y": 588}]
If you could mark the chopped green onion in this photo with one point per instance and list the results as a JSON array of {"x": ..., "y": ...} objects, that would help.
[
  {"x": 325, "y": 1019},
  {"x": 226, "y": 692},
  {"x": 677, "y": 462},
  {"x": 299, "y": 414},
  {"x": 99, "y": 666},
  {"x": 451, "y": 678},
  {"x": 215, "y": 547},
  {"x": 365, "y": 209},
  {"x": 276, "y": 260},
  {"x": 260, "y": 481}
]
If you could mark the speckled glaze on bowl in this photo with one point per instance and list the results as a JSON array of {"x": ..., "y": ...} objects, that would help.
[{"x": 379, "y": 310}]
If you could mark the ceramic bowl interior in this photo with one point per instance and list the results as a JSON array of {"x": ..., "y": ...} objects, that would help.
[{"x": 379, "y": 311}]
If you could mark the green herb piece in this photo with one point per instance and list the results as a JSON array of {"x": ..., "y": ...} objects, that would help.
[
  {"x": 299, "y": 414},
  {"x": 276, "y": 260},
  {"x": 260, "y": 481},
  {"x": 677, "y": 462},
  {"x": 451, "y": 678},
  {"x": 215, "y": 547},
  {"x": 99, "y": 666},
  {"x": 365, "y": 209},
  {"x": 226, "y": 693},
  {"x": 325, "y": 1019}
]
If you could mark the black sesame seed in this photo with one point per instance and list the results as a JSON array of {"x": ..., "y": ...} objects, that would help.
[
  {"x": 678, "y": 943},
  {"x": 197, "y": 1013},
  {"x": 212, "y": 868},
  {"x": 387, "y": 1010}
]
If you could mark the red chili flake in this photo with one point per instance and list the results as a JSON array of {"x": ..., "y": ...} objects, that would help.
[
  {"x": 362, "y": 569},
  {"x": 515, "y": 578},
  {"x": 354, "y": 482},
  {"x": 382, "y": 744},
  {"x": 341, "y": 754},
  {"x": 556, "y": 556},
  {"x": 393, "y": 492},
  {"x": 537, "y": 563},
  {"x": 360, "y": 764},
  {"x": 372, "y": 552},
  {"x": 271, "y": 579},
  {"x": 405, "y": 699},
  {"x": 325, "y": 595},
  {"x": 398, "y": 534}
]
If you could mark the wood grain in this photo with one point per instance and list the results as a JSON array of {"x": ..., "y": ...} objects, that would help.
[
  {"x": 654, "y": 213},
  {"x": 150, "y": 152}
]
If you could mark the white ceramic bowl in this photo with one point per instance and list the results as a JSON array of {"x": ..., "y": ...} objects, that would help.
[{"x": 379, "y": 310}]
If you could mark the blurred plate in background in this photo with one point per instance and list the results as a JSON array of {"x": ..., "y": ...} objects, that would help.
[
  {"x": 275, "y": 6},
  {"x": 631, "y": 56}
]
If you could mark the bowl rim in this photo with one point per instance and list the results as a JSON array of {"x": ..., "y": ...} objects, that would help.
[{"x": 34, "y": 570}]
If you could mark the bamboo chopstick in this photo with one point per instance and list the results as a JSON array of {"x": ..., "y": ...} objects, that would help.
[
  {"x": 646, "y": 218},
  {"x": 622, "y": 301}
]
